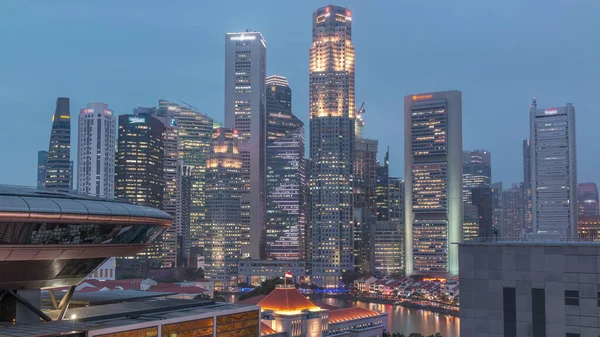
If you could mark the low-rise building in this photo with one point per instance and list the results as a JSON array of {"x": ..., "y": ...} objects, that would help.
[{"x": 537, "y": 288}]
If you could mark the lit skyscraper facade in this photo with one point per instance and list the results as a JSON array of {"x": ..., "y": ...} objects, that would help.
[
  {"x": 527, "y": 183},
  {"x": 587, "y": 199},
  {"x": 553, "y": 170},
  {"x": 433, "y": 182},
  {"x": 513, "y": 213},
  {"x": 497, "y": 221},
  {"x": 396, "y": 195},
  {"x": 59, "y": 168},
  {"x": 331, "y": 108},
  {"x": 286, "y": 177},
  {"x": 222, "y": 250},
  {"x": 477, "y": 171},
  {"x": 482, "y": 199},
  {"x": 139, "y": 171},
  {"x": 96, "y": 151},
  {"x": 382, "y": 194},
  {"x": 245, "y": 111},
  {"x": 41, "y": 171}
]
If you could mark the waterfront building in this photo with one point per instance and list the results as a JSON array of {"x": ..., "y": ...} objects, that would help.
[
  {"x": 254, "y": 272},
  {"x": 46, "y": 255},
  {"x": 529, "y": 288},
  {"x": 245, "y": 111},
  {"x": 41, "y": 171},
  {"x": 286, "y": 312},
  {"x": 587, "y": 199},
  {"x": 59, "y": 168},
  {"x": 388, "y": 248},
  {"x": 553, "y": 170},
  {"x": 477, "y": 172},
  {"x": 331, "y": 111},
  {"x": 286, "y": 175},
  {"x": 589, "y": 227},
  {"x": 96, "y": 151},
  {"x": 139, "y": 170},
  {"x": 433, "y": 182},
  {"x": 222, "y": 247}
]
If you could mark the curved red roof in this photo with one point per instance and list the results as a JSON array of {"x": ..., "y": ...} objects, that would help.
[{"x": 286, "y": 299}]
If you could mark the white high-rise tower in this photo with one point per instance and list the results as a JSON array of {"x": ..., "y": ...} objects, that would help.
[{"x": 96, "y": 151}]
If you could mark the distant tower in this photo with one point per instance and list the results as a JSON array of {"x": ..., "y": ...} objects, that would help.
[
  {"x": 223, "y": 200},
  {"x": 245, "y": 111},
  {"x": 554, "y": 170},
  {"x": 433, "y": 182},
  {"x": 331, "y": 106},
  {"x": 477, "y": 172},
  {"x": 382, "y": 195},
  {"x": 587, "y": 199},
  {"x": 96, "y": 151},
  {"x": 59, "y": 171},
  {"x": 286, "y": 175},
  {"x": 41, "y": 172}
]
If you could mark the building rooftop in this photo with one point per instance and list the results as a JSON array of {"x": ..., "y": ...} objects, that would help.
[
  {"x": 266, "y": 330},
  {"x": 348, "y": 314},
  {"x": 543, "y": 241},
  {"x": 286, "y": 299},
  {"x": 31, "y": 200},
  {"x": 96, "y": 297}
]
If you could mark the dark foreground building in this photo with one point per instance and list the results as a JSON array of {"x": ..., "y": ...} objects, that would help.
[{"x": 53, "y": 239}]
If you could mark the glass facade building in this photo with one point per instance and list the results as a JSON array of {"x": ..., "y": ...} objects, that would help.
[
  {"x": 331, "y": 111},
  {"x": 286, "y": 175},
  {"x": 41, "y": 170},
  {"x": 59, "y": 168},
  {"x": 587, "y": 199},
  {"x": 433, "y": 182},
  {"x": 477, "y": 172}
]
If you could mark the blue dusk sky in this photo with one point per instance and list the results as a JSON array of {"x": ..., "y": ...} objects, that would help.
[{"x": 131, "y": 53}]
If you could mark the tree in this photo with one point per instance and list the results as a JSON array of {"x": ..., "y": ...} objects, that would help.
[
  {"x": 191, "y": 273},
  {"x": 349, "y": 276},
  {"x": 414, "y": 334},
  {"x": 265, "y": 288}
]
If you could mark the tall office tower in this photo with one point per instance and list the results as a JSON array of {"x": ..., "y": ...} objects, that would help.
[
  {"x": 433, "y": 182},
  {"x": 396, "y": 188},
  {"x": 96, "y": 151},
  {"x": 245, "y": 111},
  {"x": 171, "y": 171},
  {"x": 528, "y": 216},
  {"x": 286, "y": 177},
  {"x": 187, "y": 143},
  {"x": 382, "y": 193},
  {"x": 331, "y": 108},
  {"x": 365, "y": 209},
  {"x": 222, "y": 249},
  {"x": 553, "y": 170},
  {"x": 587, "y": 199},
  {"x": 482, "y": 199},
  {"x": 41, "y": 171},
  {"x": 497, "y": 221},
  {"x": 59, "y": 169},
  {"x": 513, "y": 210},
  {"x": 477, "y": 172},
  {"x": 139, "y": 171},
  {"x": 470, "y": 230},
  {"x": 387, "y": 249}
]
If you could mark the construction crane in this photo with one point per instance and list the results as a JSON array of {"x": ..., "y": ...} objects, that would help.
[{"x": 361, "y": 110}]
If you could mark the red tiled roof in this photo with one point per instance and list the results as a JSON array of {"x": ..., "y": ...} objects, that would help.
[
  {"x": 252, "y": 300},
  {"x": 348, "y": 314},
  {"x": 286, "y": 299},
  {"x": 266, "y": 330}
]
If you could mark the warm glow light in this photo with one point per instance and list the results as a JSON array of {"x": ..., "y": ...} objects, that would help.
[{"x": 421, "y": 97}]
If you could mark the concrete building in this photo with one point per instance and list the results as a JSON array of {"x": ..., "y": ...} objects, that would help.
[
  {"x": 477, "y": 172},
  {"x": 520, "y": 289},
  {"x": 587, "y": 199},
  {"x": 286, "y": 175},
  {"x": 245, "y": 111},
  {"x": 332, "y": 112},
  {"x": 222, "y": 248},
  {"x": 433, "y": 182},
  {"x": 106, "y": 271},
  {"x": 254, "y": 272},
  {"x": 96, "y": 151},
  {"x": 41, "y": 170},
  {"x": 59, "y": 167},
  {"x": 553, "y": 154}
]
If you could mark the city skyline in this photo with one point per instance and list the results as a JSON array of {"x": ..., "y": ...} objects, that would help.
[{"x": 529, "y": 71}]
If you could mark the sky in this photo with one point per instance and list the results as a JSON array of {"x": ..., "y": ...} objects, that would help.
[{"x": 132, "y": 53}]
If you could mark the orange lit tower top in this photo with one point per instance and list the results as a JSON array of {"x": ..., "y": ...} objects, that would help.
[{"x": 332, "y": 63}]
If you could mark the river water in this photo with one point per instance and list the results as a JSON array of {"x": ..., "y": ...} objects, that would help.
[{"x": 401, "y": 319}]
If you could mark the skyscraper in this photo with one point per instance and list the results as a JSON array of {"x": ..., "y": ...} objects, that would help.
[
  {"x": 513, "y": 213},
  {"x": 554, "y": 170},
  {"x": 528, "y": 216},
  {"x": 59, "y": 170},
  {"x": 482, "y": 199},
  {"x": 139, "y": 171},
  {"x": 96, "y": 151},
  {"x": 497, "y": 220},
  {"x": 245, "y": 111},
  {"x": 477, "y": 172},
  {"x": 41, "y": 171},
  {"x": 286, "y": 176},
  {"x": 396, "y": 195},
  {"x": 433, "y": 182},
  {"x": 587, "y": 199},
  {"x": 382, "y": 193},
  {"x": 331, "y": 107},
  {"x": 222, "y": 249}
]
